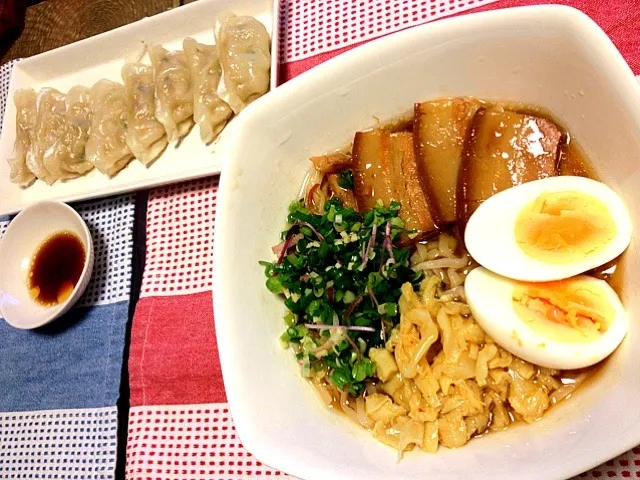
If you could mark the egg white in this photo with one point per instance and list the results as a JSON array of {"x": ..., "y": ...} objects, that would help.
[
  {"x": 490, "y": 299},
  {"x": 490, "y": 233}
]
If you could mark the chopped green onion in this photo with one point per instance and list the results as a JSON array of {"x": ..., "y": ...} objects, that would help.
[
  {"x": 349, "y": 297},
  {"x": 345, "y": 180},
  {"x": 331, "y": 214},
  {"x": 274, "y": 285},
  {"x": 339, "y": 378},
  {"x": 389, "y": 309},
  {"x": 290, "y": 319},
  {"x": 325, "y": 281}
]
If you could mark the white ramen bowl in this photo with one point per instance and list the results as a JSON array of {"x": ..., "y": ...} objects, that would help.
[
  {"x": 550, "y": 56},
  {"x": 24, "y": 235}
]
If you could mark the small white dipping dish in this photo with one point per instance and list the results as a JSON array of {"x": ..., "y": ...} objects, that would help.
[{"x": 25, "y": 234}]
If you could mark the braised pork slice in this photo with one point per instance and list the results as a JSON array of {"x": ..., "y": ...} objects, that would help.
[
  {"x": 385, "y": 169},
  {"x": 371, "y": 169},
  {"x": 504, "y": 149},
  {"x": 439, "y": 130},
  {"x": 406, "y": 184}
]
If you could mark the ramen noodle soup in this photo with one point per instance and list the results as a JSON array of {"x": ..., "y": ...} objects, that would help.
[{"x": 374, "y": 263}]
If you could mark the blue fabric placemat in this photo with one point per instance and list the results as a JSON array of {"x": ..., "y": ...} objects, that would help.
[{"x": 76, "y": 360}]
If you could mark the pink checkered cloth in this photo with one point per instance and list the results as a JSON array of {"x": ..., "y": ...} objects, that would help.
[{"x": 179, "y": 423}]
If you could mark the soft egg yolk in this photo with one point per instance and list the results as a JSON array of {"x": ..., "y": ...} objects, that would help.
[
  {"x": 562, "y": 227},
  {"x": 566, "y": 310}
]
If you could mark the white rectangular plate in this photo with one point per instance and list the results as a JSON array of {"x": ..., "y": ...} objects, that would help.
[{"x": 102, "y": 56}]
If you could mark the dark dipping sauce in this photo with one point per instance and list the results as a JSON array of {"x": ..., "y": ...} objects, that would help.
[{"x": 56, "y": 268}]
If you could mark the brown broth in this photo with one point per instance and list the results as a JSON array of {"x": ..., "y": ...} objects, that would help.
[
  {"x": 56, "y": 268},
  {"x": 572, "y": 161}
]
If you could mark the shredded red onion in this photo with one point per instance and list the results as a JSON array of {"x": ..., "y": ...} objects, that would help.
[
  {"x": 372, "y": 240},
  {"x": 290, "y": 241},
  {"x": 372, "y": 296},
  {"x": 355, "y": 328},
  {"x": 312, "y": 191},
  {"x": 311, "y": 227},
  {"x": 375, "y": 302},
  {"x": 370, "y": 245},
  {"x": 387, "y": 241},
  {"x": 358, "y": 328},
  {"x": 353, "y": 344},
  {"x": 355, "y": 303},
  {"x": 330, "y": 294}
]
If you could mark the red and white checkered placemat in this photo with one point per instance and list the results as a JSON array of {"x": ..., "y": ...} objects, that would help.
[
  {"x": 179, "y": 424},
  {"x": 179, "y": 239}
]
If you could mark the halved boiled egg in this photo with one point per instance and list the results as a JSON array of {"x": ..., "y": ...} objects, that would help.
[
  {"x": 563, "y": 324},
  {"x": 549, "y": 229}
]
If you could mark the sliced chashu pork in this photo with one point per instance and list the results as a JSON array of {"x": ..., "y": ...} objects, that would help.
[
  {"x": 385, "y": 169},
  {"x": 440, "y": 128},
  {"x": 502, "y": 150}
]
